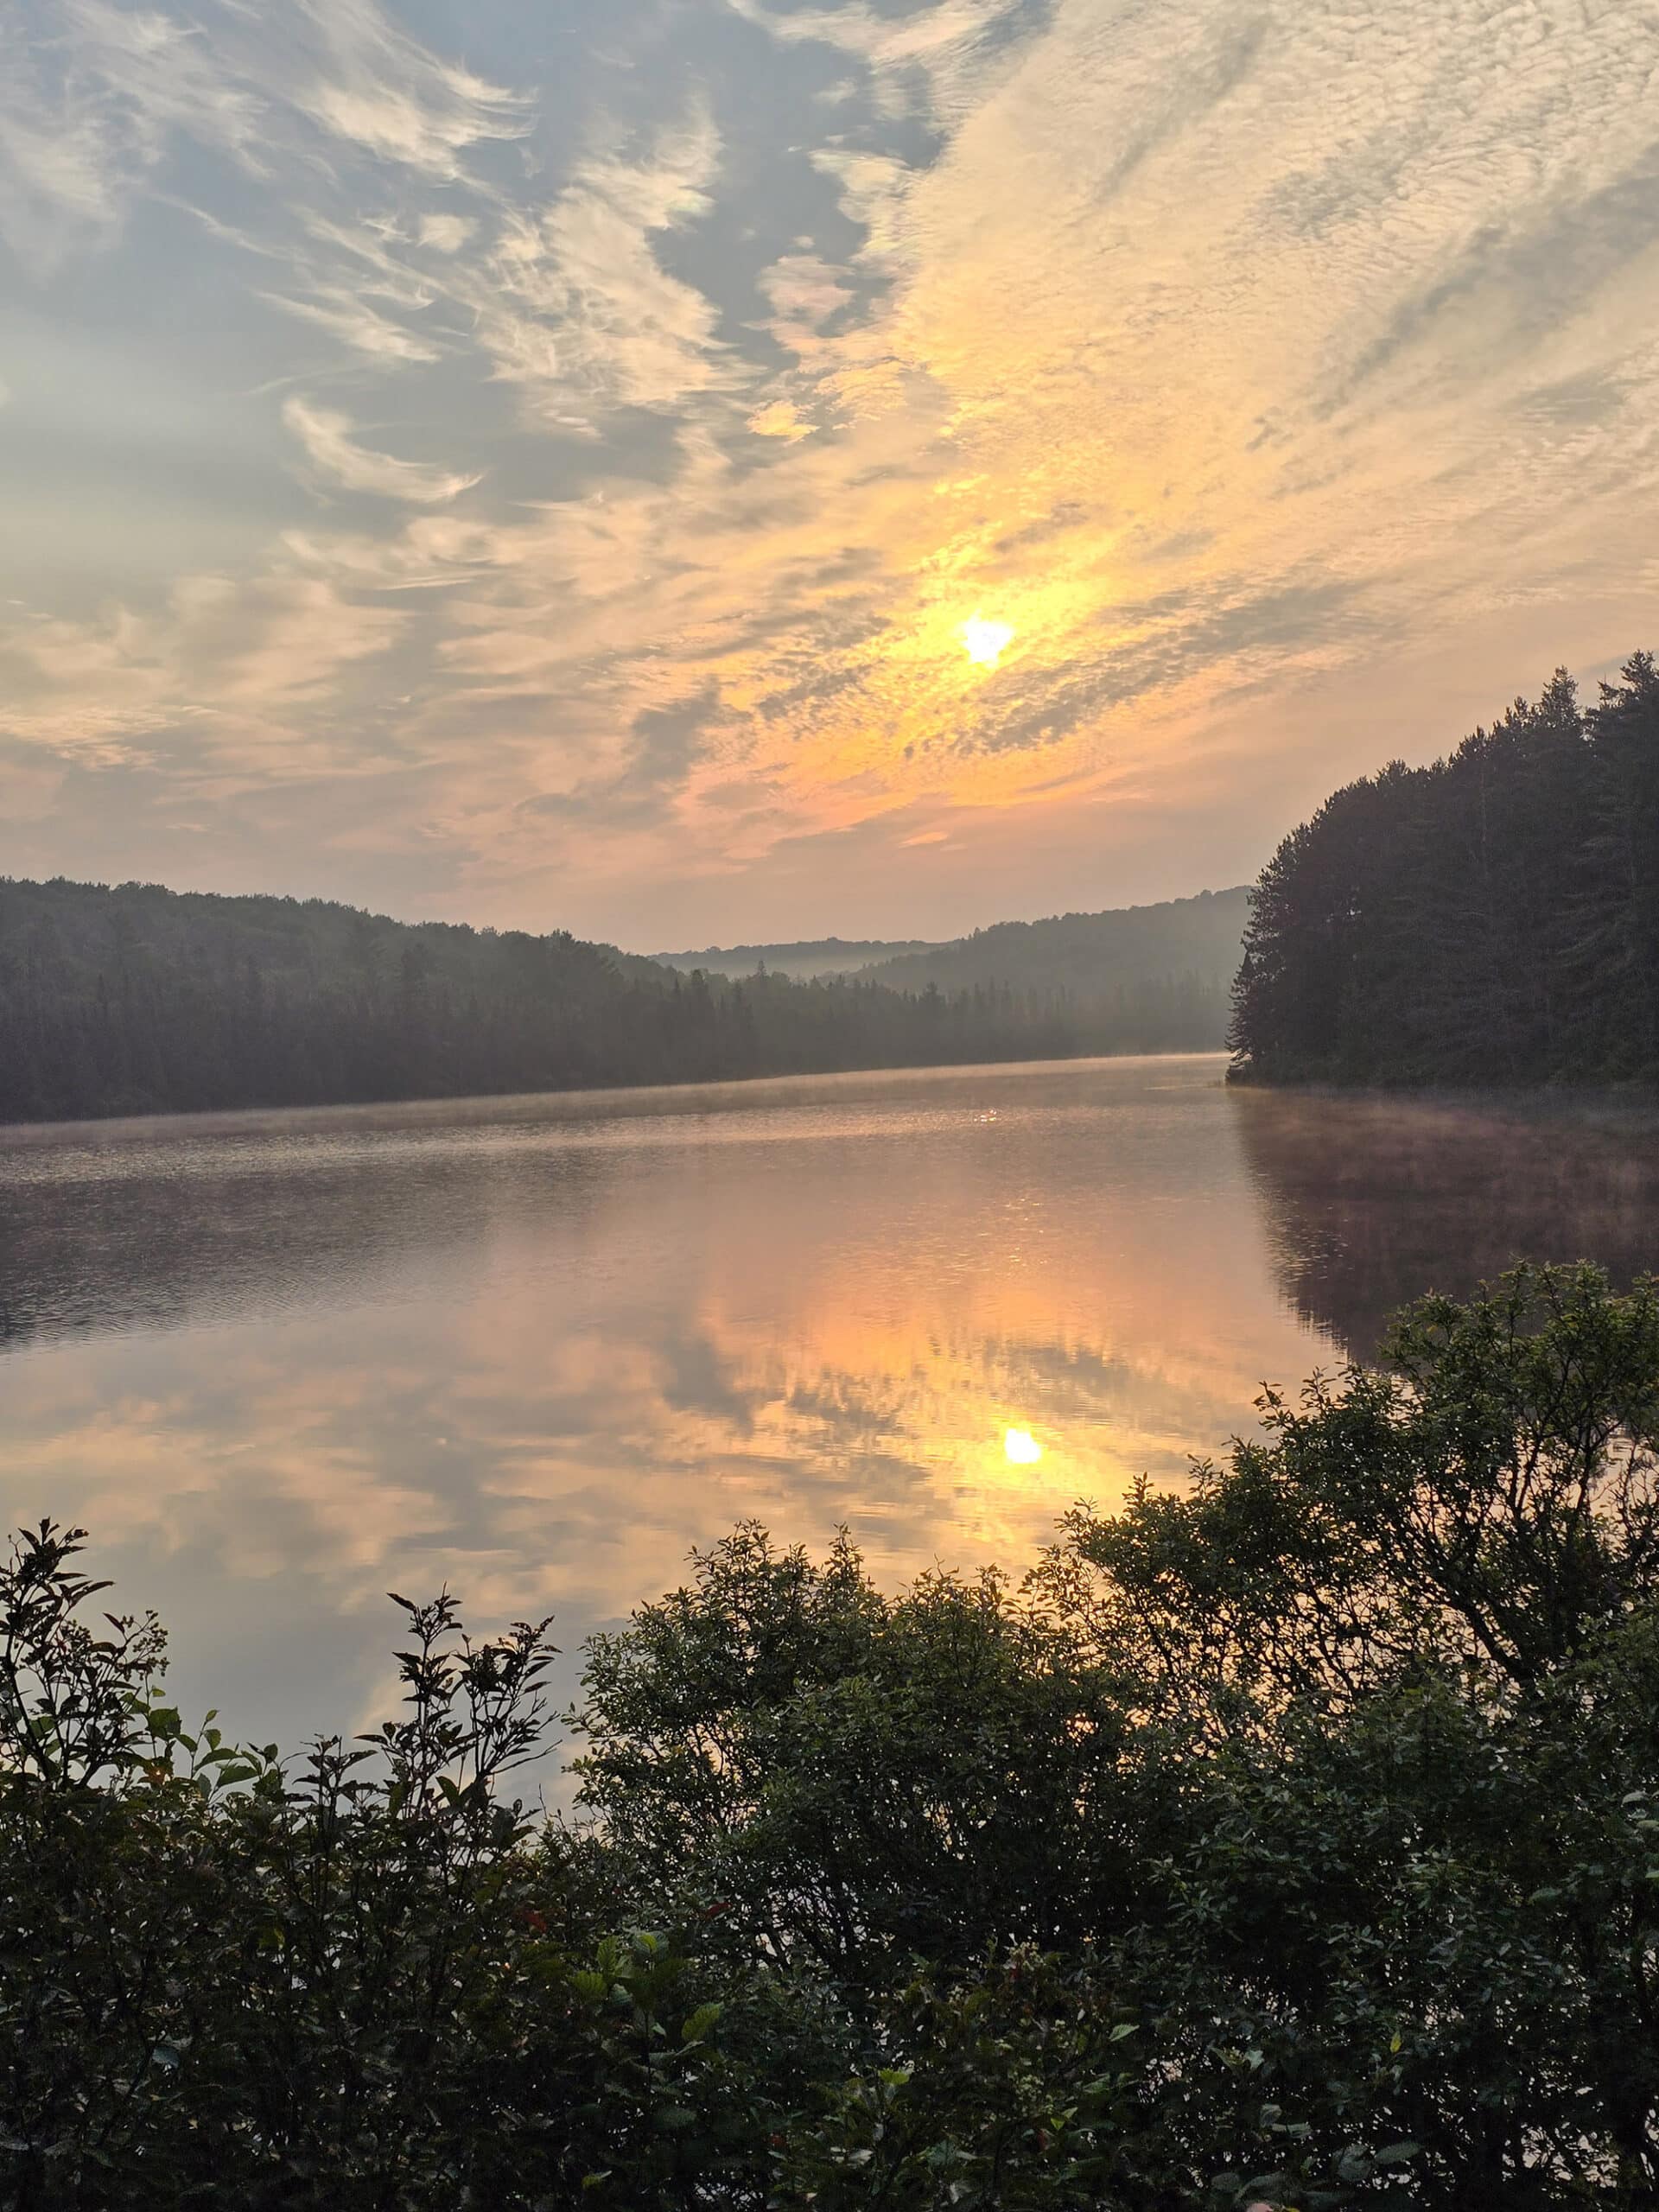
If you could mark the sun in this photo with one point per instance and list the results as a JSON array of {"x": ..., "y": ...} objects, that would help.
[
  {"x": 1022, "y": 1447},
  {"x": 985, "y": 642}
]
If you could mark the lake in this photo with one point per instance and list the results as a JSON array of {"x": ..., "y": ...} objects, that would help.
[{"x": 279, "y": 1364}]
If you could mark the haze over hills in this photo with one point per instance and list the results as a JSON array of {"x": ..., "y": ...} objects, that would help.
[
  {"x": 803, "y": 962},
  {"x": 136, "y": 999},
  {"x": 1090, "y": 957}
]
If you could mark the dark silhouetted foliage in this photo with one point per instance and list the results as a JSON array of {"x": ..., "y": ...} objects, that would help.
[
  {"x": 1290, "y": 1840},
  {"x": 138, "y": 1000},
  {"x": 1493, "y": 918}
]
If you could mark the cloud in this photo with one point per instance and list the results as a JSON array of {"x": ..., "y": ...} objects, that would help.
[
  {"x": 87, "y": 116},
  {"x": 358, "y": 326},
  {"x": 1254, "y": 361},
  {"x": 228, "y": 670},
  {"x": 934, "y": 57},
  {"x": 446, "y": 233},
  {"x": 571, "y": 301},
  {"x": 276, "y": 639},
  {"x": 874, "y": 188},
  {"x": 335, "y": 454},
  {"x": 1103, "y": 490},
  {"x": 355, "y": 279},
  {"x": 780, "y": 418},
  {"x": 805, "y": 292},
  {"x": 431, "y": 552},
  {"x": 365, "y": 80},
  {"x": 92, "y": 107},
  {"x": 642, "y": 789}
]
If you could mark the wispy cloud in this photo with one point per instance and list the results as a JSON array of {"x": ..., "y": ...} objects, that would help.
[
  {"x": 933, "y": 59},
  {"x": 227, "y": 672},
  {"x": 571, "y": 301},
  {"x": 337, "y": 455},
  {"x": 88, "y": 112},
  {"x": 365, "y": 79},
  {"x": 661, "y": 403}
]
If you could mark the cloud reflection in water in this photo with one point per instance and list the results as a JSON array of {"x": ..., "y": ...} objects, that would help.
[{"x": 539, "y": 1349}]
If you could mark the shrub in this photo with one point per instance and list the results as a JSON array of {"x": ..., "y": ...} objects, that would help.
[{"x": 1292, "y": 1840}]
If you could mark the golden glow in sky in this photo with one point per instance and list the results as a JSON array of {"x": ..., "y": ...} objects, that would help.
[
  {"x": 985, "y": 642},
  {"x": 646, "y": 463}
]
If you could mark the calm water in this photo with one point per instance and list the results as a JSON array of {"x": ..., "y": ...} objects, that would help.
[{"x": 280, "y": 1363}]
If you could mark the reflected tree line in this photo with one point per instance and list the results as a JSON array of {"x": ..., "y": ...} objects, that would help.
[
  {"x": 1369, "y": 1202},
  {"x": 138, "y": 1000},
  {"x": 1492, "y": 918},
  {"x": 1365, "y": 1201}
]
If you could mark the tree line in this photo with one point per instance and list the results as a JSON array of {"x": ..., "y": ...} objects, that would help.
[
  {"x": 140, "y": 1000},
  {"x": 1286, "y": 1842},
  {"x": 1492, "y": 918}
]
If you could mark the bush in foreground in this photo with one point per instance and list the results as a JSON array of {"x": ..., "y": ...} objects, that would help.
[{"x": 1293, "y": 1840}]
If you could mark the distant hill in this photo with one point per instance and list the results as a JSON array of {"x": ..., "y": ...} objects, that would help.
[
  {"x": 1091, "y": 959},
  {"x": 138, "y": 1000},
  {"x": 1095, "y": 959},
  {"x": 811, "y": 957}
]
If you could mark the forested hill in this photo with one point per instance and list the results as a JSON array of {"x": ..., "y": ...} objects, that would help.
[
  {"x": 802, "y": 960},
  {"x": 1493, "y": 918},
  {"x": 1191, "y": 944},
  {"x": 139, "y": 1000}
]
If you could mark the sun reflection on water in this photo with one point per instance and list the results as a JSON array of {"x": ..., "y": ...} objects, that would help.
[{"x": 543, "y": 1359}]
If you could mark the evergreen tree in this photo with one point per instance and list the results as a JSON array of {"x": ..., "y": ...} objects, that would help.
[{"x": 1493, "y": 918}]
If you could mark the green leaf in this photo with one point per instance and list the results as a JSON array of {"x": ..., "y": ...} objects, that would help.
[
  {"x": 1398, "y": 2154},
  {"x": 700, "y": 2021}
]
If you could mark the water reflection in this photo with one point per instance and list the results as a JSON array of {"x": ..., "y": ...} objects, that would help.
[
  {"x": 279, "y": 1364},
  {"x": 1369, "y": 1202},
  {"x": 538, "y": 1348}
]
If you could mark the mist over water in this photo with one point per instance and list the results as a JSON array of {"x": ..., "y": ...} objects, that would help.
[
  {"x": 538, "y": 1348},
  {"x": 1368, "y": 1201}
]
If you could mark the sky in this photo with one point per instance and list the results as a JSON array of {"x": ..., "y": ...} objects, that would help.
[{"x": 689, "y": 471}]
